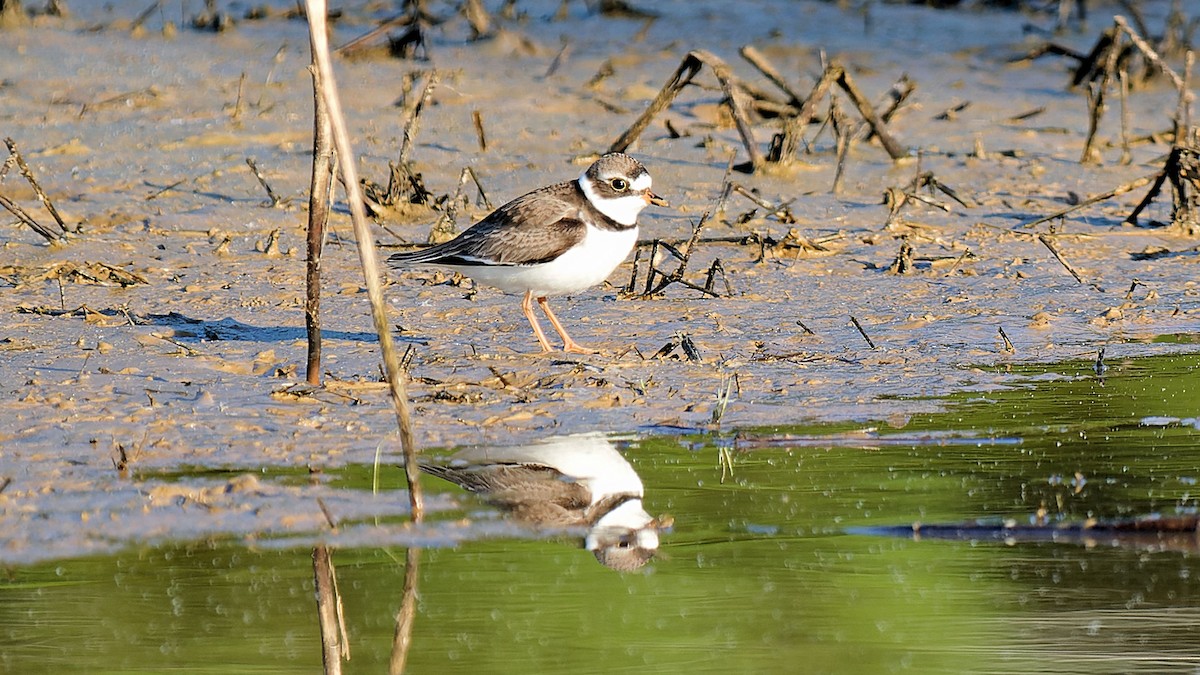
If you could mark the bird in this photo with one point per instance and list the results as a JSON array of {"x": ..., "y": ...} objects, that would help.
[
  {"x": 577, "y": 481},
  {"x": 556, "y": 240}
]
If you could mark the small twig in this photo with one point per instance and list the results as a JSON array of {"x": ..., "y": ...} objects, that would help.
[
  {"x": 735, "y": 97},
  {"x": 1149, "y": 52},
  {"x": 37, "y": 189},
  {"x": 477, "y": 118},
  {"x": 637, "y": 257},
  {"x": 894, "y": 149},
  {"x": 681, "y": 78},
  {"x": 145, "y": 15},
  {"x": 1092, "y": 200},
  {"x": 1008, "y": 345},
  {"x": 1158, "y": 180},
  {"x": 903, "y": 264},
  {"x": 237, "y": 103},
  {"x": 326, "y": 512},
  {"x": 965, "y": 254},
  {"x": 764, "y": 66},
  {"x": 172, "y": 186},
  {"x": 862, "y": 332},
  {"x": 1183, "y": 109},
  {"x": 1059, "y": 256},
  {"x": 558, "y": 59},
  {"x": 28, "y": 220},
  {"x": 414, "y": 117},
  {"x": 479, "y": 19},
  {"x": 676, "y": 277},
  {"x": 1096, "y": 95},
  {"x": 679, "y": 340},
  {"x": 1123, "y": 81},
  {"x": 383, "y": 27},
  {"x": 782, "y": 212},
  {"x": 844, "y": 137},
  {"x": 483, "y": 200},
  {"x": 713, "y": 270},
  {"x": 263, "y": 182}
]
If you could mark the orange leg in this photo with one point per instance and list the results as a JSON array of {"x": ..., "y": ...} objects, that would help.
[
  {"x": 527, "y": 307},
  {"x": 569, "y": 345}
]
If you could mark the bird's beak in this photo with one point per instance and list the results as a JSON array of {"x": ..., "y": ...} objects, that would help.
[{"x": 654, "y": 199}]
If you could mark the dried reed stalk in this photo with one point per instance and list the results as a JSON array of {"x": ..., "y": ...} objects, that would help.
[{"x": 366, "y": 249}]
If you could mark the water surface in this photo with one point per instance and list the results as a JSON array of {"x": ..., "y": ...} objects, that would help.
[{"x": 768, "y": 569}]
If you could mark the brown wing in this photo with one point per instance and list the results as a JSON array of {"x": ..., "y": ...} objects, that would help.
[
  {"x": 505, "y": 485},
  {"x": 531, "y": 229}
]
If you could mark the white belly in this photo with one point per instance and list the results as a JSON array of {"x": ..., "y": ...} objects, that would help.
[{"x": 586, "y": 265}]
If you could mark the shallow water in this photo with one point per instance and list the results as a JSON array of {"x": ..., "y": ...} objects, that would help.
[{"x": 768, "y": 570}]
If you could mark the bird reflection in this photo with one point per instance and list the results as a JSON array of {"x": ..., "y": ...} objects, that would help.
[{"x": 567, "y": 482}]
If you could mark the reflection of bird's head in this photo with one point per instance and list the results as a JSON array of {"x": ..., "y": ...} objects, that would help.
[
  {"x": 625, "y": 537},
  {"x": 568, "y": 482}
]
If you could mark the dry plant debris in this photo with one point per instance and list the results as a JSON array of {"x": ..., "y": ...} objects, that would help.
[{"x": 740, "y": 99}]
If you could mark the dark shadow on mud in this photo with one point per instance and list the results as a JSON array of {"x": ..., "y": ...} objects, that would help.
[{"x": 188, "y": 328}]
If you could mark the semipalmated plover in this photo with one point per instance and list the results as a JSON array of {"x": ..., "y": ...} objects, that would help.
[
  {"x": 556, "y": 240},
  {"x": 569, "y": 482}
]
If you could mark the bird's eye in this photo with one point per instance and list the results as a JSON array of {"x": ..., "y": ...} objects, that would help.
[{"x": 619, "y": 184}]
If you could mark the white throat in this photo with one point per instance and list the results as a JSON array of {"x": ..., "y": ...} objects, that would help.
[{"x": 625, "y": 209}]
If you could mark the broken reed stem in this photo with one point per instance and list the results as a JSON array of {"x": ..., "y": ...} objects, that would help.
[
  {"x": 274, "y": 198},
  {"x": 862, "y": 332},
  {"x": 901, "y": 90},
  {"x": 894, "y": 149},
  {"x": 483, "y": 198},
  {"x": 1096, "y": 95},
  {"x": 957, "y": 262},
  {"x": 477, "y": 119},
  {"x": 809, "y": 108},
  {"x": 1059, "y": 257},
  {"x": 737, "y": 105},
  {"x": 407, "y": 615},
  {"x": 28, "y": 220},
  {"x": 1092, "y": 200},
  {"x": 237, "y": 103},
  {"x": 682, "y": 76},
  {"x": 366, "y": 251},
  {"x": 320, "y": 189},
  {"x": 334, "y": 645},
  {"x": 1148, "y": 51},
  {"x": 145, "y": 15},
  {"x": 414, "y": 117},
  {"x": 1158, "y": 179},
  {"x": 27, "y": 173},
  {"x": 1008, "y": 345},
  {"x": 842, "y": 136},
  {"x": 759, "y": 61},
  {"x": 1183, "y": 109},
  {"x": 1123, "y": 83}
]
